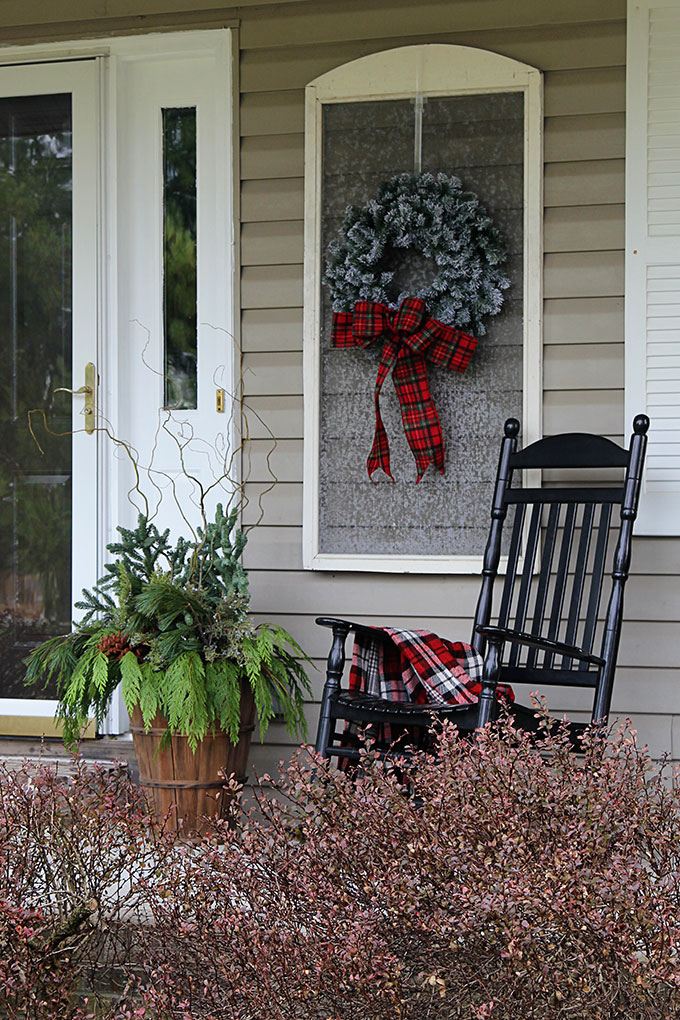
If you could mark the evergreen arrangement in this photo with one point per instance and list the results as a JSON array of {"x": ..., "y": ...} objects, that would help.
[
  {"x": 432, "y": 215},
  {"x": 170, "y": 623}
]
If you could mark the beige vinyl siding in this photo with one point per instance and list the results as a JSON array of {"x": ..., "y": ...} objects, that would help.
[{"x": 581, "y": 49}]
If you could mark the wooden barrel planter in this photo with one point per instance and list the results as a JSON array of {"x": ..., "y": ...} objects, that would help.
[{"x": 191, "y": 784}]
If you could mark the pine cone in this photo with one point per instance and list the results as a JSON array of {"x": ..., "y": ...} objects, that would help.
[{"x": 114, "y": 646}]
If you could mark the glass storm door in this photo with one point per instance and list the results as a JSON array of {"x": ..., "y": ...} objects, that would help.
[{"x": 48, "y": 334}]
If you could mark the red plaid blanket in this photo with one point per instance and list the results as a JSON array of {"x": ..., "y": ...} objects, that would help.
[{"x": 419, "y": 666}]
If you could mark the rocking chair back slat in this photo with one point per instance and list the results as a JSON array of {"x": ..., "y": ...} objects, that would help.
[
  {"x": 526, "y": 577},
  {"x": 580, "y": 495},
  {"x": 560, "y": 589},
  {"x": 512, "y": 567},
  {"x": 578, "y": 582},
  {"x": 544, "y": 578},
  {"x": 570, "y": 450},
  {"x": 603, "y": 532}
]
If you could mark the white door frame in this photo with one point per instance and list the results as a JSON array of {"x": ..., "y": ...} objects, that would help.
[
  {"x": 165, "y": 71},
  {"x": 110, "y": 57}
]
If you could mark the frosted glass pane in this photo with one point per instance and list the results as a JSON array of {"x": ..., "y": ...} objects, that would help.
[{"x": 480, "y": 139}]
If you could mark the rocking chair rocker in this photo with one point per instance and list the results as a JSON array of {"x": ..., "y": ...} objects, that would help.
[{"x": 546, "y": 627}]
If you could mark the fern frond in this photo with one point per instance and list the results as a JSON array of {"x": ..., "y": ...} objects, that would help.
[
  {"x": 176, "y": 690},
  {"x": 183, "y": 698},
  {"x": 264, "y": 704},
  {"x": 196, "y": 719},
  {"x": 131, "y": 675},
  {"x": 223, "y": 688},
  {"x": 264, "y": 644},
  {"x": 100, "y": 672},
  {"x": 149, "y": 700}
]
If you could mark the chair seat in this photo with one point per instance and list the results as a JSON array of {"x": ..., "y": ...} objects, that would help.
[
  {"x": 369, "y": 709},
  {"x": 355, "y": 706}
]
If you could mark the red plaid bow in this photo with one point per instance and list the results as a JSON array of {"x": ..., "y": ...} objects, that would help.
[{"x": 411, "y": 337}]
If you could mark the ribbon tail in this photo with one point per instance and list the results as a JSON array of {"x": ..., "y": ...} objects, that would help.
[
  {"x": 418, "y": 414},
  {"x": 379, "y": 457}
]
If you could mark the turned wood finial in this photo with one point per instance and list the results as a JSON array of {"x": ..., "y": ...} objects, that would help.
[
  {"x": 640, "y": 424},
  {"x": 511, "y": 428}
]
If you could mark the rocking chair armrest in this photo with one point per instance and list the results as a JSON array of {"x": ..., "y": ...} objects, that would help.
[
  {"x": 500, "y": 634},
  {"x": 334, "y": 624}
]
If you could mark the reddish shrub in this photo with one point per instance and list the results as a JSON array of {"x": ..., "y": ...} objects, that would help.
[
  {"x": 508, "y": 881},
  {"x": 34, "y": 974},
  {"x": 74, "y": 855},
  {"x": 515, "y": 881}
]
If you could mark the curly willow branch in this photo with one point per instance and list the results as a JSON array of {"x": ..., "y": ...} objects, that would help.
[{"x": 228, "y": 458}]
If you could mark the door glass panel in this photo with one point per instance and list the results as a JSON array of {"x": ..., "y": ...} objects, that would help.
[
  {"x": 179, "y": 257},
  {"x": 35, "y": 352}
]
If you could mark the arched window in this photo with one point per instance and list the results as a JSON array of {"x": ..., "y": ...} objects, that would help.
[{"x": 467, "y": 113}]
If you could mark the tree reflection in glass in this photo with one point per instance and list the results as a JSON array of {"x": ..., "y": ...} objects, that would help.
[
  {"x": 35, "y": 352},
  {"x": 179, "y": 257}
]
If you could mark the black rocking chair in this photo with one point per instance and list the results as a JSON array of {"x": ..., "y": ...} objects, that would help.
[{"x": 547, "y": 624}]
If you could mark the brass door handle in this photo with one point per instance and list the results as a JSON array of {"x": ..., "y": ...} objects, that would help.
[{"x": 89, "y": 390}]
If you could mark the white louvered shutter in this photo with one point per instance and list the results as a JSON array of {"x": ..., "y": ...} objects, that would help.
[{"x": 653, "y": 252}]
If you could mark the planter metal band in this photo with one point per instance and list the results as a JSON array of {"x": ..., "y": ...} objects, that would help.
[
  {"x": 187, "y": 784},
  {"x": 156, "y": 731}
]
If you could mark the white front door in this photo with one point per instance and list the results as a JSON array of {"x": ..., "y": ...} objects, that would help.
[
  {"x": 48, "y": 334},
  {"x": 116, "y": 238}
]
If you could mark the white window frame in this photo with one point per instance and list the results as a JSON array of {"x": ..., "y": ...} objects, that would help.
[
  {"x": 652, "y": 289},
  {"x": 427, "y": 70}
]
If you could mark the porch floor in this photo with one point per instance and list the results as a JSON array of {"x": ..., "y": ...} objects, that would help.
[{"x": 52, "y": 749}]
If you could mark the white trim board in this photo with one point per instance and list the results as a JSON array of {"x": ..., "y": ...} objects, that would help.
[
  {"x": 652, "y": 302},
  {"x": 427, "y": 70}
]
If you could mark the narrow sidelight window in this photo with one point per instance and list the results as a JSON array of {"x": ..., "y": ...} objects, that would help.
[{"x": 179, "y": 258}]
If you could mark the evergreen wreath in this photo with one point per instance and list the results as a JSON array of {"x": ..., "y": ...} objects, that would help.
[{"x": 430, "y": 214}]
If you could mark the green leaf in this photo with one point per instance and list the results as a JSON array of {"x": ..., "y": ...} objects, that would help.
[
  {"x": 196, "y": 704},
  {"x": 176, "y": 690},
  {"x": 264, "y": 704},
  {"x": 75, "y": 690}
]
